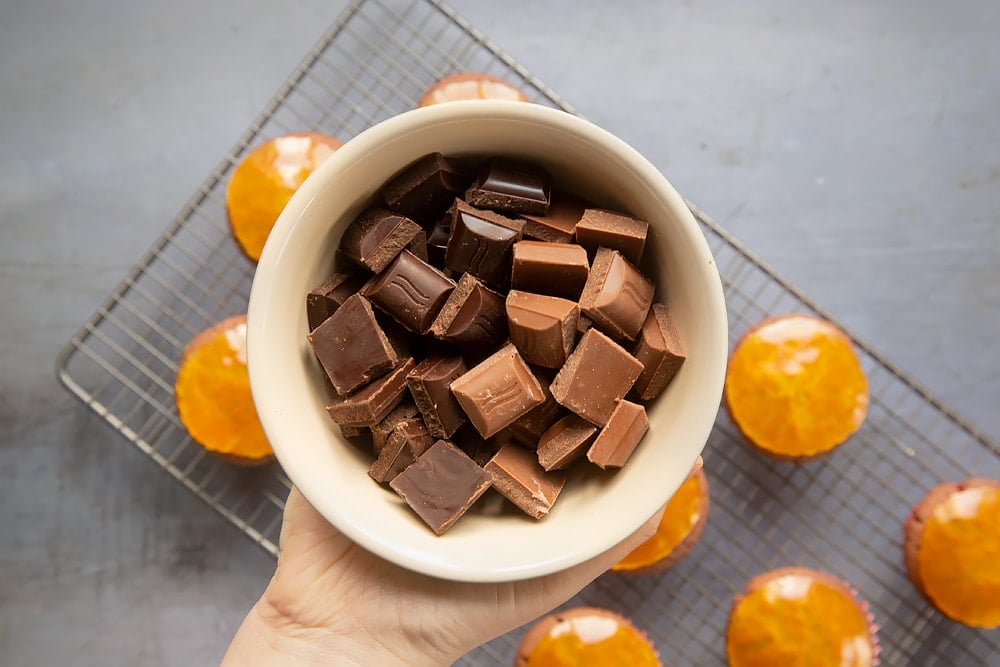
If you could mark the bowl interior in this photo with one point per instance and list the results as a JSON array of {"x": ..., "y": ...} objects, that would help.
[{"x": 597, "y": 510}]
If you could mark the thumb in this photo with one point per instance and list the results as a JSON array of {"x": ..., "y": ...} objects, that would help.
[{"x": 302, "y": 526}]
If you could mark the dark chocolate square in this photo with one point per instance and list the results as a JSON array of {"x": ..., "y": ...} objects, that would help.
[
  {"x": 411, "y": 291},
  {"x": 441, "y": 485},
  {"x": 481, "y": 243},
  {"x": 352, "y": 347}
]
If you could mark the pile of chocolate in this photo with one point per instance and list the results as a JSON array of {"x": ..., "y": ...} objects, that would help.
[{"x": 488, "y": 333}]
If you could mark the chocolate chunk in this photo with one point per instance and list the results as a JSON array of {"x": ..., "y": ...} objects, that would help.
[
  {"x": 351, "y": 346},
  {"x": 598, "y": 373},
  {"x": 620, "y": 436},
  {"x": 376, "y": 237},
  {"x": 529, "y": 428},
  {"x": 400, "y": 339},
  {"x": 324, "y": 299},
  {"x": 429, "y": 384},
  {"x": 352, "y": 432},
  {"x": 408, "y": 440},
  {"x": 426, "y": 187},
  {"x": 599, "y": 227},
  {"x": 558, "y": 224},
  {"x": 564, "y": 442},
  {"x": 506, "y": 185},
  {"x": 441, "y": 485},
  {"x": 660, "y": 350},
  {"x": 437, "y": 240},
  {"x": 381, "y": 431},
  {"x": 556, "y": 269},
  {"x": 479, "y": 449},
  {"x": 481, "y": 243},
  {"x": 411, "y": 291},
  {"x": 582, "y": 324},
  {"x": 473, "y": 317},
  {"x": 498, "y": 391},
  {"x": 543, "y": 328},
  {"x": 418, "y": 246},
  {"x": 516, "y": 474},
  {"x": 371, "y": 404},
  {"x": 616, "y": 296}
]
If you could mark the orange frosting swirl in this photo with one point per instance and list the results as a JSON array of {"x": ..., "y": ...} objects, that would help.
[
  {"x": 682, "y": 513},
  {"x": 266, "y": 179},
  {"x": 959, "y": 556},
  {"x": 797, "y": 620},
  {"x": 213, "y": 393},
  {"x": 595, "y": 639},
  {"x": 470, "y": 86},
  {"x": 795, "y": 386}
]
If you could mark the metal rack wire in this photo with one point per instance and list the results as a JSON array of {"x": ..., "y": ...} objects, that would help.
[{"x": 842, "y": 515}]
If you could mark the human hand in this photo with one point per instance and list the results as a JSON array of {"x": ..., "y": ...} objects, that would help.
[{"x": 332, "y": 602}]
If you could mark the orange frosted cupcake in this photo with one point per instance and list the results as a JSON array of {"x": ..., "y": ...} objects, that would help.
[
  {"x": 952, "y": 550},
  {"x": 212, "y": 391},
  {"x": 585, "y": 636},
  {"x": 795, "y": 387},
  {"x": 470, "y": 86},
  {"x": 678, "y": 532},
  {"x": 266, "y": 179},
  {"x": 797, "y": 617}
]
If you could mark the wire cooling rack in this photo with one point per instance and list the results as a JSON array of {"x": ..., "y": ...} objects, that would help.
[{"x": 842, "y": 515}]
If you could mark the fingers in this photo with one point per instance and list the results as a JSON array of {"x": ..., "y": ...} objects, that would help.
[
  {"x": 565, "y": 584},
  {"x": 301, "y": 521}
]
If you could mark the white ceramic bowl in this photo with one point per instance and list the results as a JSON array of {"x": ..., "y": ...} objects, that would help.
[{"x": 596, "y": 510}]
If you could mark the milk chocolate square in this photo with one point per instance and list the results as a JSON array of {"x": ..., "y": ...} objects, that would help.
[
  {"x": 564, "y": 442},
  {"x": 617, "y": 296},
  {"x": 543, "y": 328},
  {"x": 411, "y": 291},
  {"x": 497, "y": 391},
  {"x": 556, "y": 269},
  {"x": 660, "y": 350},
  {"x": 599, "y": 227},
  {"x": 529, "y": 428},
  {"x": 620, "y": 436},
  {"x": 516, "y": 474},
  {"x": 596, "y": 375},
  {"x": 441, "y": 485},
  {"x": 352, "y": 347}
]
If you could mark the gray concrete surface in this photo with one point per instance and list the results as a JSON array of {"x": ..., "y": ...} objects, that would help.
[{"x": 854, "y": 145}]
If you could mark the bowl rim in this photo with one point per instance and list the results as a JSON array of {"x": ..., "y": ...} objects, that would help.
[{"x": 393, "y": 128}]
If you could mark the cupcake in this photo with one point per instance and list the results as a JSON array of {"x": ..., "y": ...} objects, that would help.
[
  {"x": 678, "y": 532},
  {"x": 266, "y": 179},
  {"x": 795, "y": 387},
  {"x": 796, "y": 617},
  {"x": 585, "y": 636},
  {"x": 952, "y": 550},
  {"x": 212, "y": 391},
  {"x": 470, "y": 86}
]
